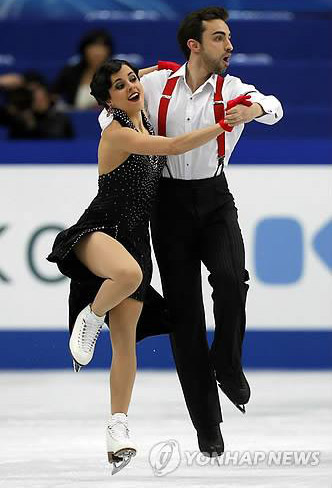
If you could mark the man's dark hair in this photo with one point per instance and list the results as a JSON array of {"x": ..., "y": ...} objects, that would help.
[
  {"x": 101, "y": 81},
  {"x": 192, "y": 25}
]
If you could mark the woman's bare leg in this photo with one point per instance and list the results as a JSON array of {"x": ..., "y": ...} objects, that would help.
[
  {"x": 107, "y": 258},
  {"x": 123, "y": 321}
]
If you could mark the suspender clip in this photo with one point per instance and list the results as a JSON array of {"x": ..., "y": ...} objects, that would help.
[{"x": 221, "y": 160}]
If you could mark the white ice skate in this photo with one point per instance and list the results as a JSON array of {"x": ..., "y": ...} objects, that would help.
[
  {"x": 120, "y": 448},
  {"x": 84, "y": 337}
]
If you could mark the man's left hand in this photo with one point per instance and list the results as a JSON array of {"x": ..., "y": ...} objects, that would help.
[{"x": 242, "y": 114}]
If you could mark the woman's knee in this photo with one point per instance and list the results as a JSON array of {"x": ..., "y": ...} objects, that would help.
[{"x": 130, "y": 277}]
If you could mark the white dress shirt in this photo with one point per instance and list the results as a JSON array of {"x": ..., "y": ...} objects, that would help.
[{"x": 188, "y": 111}]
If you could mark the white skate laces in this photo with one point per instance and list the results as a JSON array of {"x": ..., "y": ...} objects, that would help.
[
  {"x": 120, "y": 447},
  {"x": 88, "y": 335},
  {"x": 84, "y": 337},
  {"x": 118, "y": 428}
]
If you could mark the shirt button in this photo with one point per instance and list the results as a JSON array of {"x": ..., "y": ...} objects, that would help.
[{"x": 188, "y": 118}]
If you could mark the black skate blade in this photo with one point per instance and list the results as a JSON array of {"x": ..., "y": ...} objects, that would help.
[
  {"x": 242, "y": 408},
  {"x": 239, "y": 406},
  {"x": 77, "y": 367},
  {"x": 121, "y": 459}
]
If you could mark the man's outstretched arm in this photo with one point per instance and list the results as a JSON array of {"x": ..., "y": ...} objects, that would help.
[{"x": 265, "y": 109}]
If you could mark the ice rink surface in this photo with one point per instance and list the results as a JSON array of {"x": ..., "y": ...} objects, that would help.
[{"x": 52, "y": 432}]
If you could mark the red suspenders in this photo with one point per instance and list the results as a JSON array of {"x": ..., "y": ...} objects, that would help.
[
  {"x": 163, "y": 105},
  {"x": 218, "y": 105},
  {"x": 219, "y": 113}
]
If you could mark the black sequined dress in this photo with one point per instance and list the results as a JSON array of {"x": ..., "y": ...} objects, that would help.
[{"x": 122, "y": 210}]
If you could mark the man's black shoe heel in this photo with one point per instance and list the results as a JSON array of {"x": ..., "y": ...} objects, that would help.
[
  {"x": 238, "y": 392},
  {"x": 210, "y": 441}
]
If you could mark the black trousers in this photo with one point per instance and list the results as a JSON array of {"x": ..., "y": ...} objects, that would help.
[{"x": 196, "y": 221}]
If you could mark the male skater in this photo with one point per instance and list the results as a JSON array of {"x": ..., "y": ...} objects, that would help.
[{"x": 196, "y": 220}]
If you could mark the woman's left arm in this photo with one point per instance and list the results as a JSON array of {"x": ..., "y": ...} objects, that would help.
[{"x": 146, "y": 71}]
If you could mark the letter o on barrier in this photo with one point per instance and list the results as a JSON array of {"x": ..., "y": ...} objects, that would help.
[{"x": 31, "y": 261}]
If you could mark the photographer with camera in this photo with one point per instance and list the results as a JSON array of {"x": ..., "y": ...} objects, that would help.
[{"x": 28, "y": 110}]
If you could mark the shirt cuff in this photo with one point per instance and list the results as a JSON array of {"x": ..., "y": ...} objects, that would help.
[{"x": 271, "y": 106}]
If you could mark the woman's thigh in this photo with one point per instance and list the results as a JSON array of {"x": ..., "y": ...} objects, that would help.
[{"x": 105, "y": 257}]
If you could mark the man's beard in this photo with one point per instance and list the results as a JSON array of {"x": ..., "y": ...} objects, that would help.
[
  {"x": 221, "y": 71},
  {"x": 213, "y": 66}
]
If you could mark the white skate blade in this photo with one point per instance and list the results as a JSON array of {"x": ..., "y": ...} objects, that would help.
[
  {"x": 120, "y": 459},
  {"x": 77, "y": 367}
]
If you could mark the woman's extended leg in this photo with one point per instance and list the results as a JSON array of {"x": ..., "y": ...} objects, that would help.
[{"x": 123, "y": 321}]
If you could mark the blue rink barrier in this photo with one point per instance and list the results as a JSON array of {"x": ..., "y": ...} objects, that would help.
[
  {"x": 250, "y": 151},
  {"x": 263, "y": 349},
  {"x": 296, "y": 124}
]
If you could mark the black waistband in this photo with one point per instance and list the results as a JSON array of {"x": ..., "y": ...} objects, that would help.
[{"x": 204, "y": 182}]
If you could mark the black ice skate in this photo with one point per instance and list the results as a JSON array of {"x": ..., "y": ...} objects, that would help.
[
  {"x": 237, "y": 389},
  {"x": 210, "y": 441}
]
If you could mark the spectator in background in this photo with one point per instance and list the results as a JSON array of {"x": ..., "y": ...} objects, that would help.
[
  {"x": 73, "y": 82},
  {"x": 28, "y": 111}
]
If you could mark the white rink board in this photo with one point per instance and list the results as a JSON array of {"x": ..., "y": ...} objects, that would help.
[{"x": 38, "y": 196}]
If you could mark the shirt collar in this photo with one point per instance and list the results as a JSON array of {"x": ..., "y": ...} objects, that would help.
[{"x": 181, "y": 72}]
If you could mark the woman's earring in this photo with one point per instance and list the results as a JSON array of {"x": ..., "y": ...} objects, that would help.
[{"x": 109, "y": 110}]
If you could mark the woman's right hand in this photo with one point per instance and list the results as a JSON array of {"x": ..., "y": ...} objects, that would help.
[
  {"x": 168, "y": 65},
  {"x": 240, "y": 100}
]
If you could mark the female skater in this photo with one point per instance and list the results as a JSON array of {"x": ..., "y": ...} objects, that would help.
[{"x": 107, "y": 252}]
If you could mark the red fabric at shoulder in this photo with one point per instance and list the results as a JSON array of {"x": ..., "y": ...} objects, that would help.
[{"x": 168, "y": 65}]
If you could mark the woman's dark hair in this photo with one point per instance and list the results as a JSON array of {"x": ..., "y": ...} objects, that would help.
[
  {"x": 101, "y": 81},
  {"x": 96, "y": 36},
  {"x": 192, "y": 25},
  {"x": 32, "y": 76}
]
